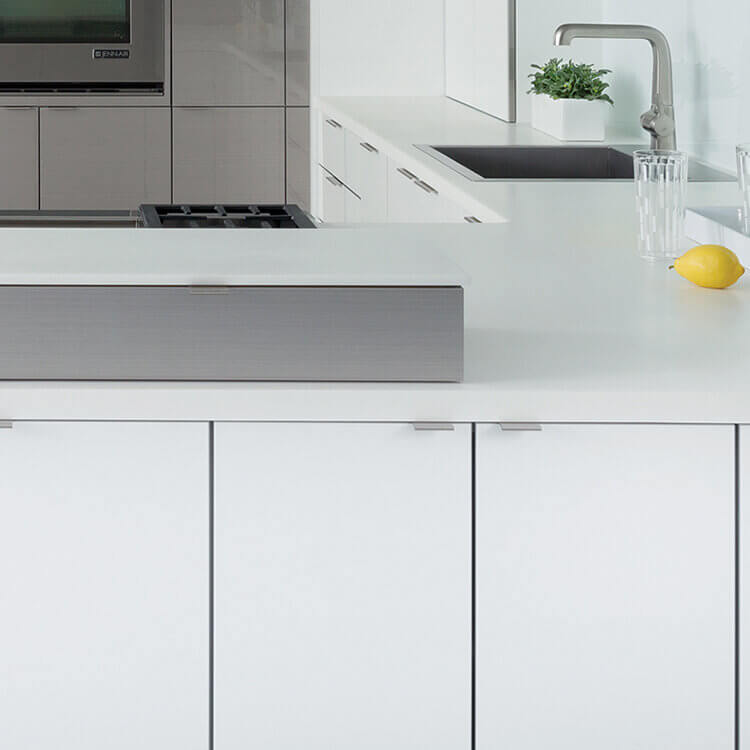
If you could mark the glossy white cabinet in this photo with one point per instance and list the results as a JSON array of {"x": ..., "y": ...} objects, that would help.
[
  {"x": 229, "y": 155},
  {"x": 104, "y": 586},
  {"x": 104, "y": 157},
  {"x": 480, "y": 66},
  {"x": 339, "y": 205},
  {"x": 343, "y": 585},
  {"x": 228, "y": 53},
  {"x": 367, "y": 176},
  {"x": 19, "y": 158},
  {"x": 298, "y": 156},
  {"x": 605, "y": 587}
]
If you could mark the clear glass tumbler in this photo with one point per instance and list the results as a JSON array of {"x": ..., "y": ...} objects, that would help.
[
  {"x": 661, "y": 193},
  {"x": 743, "y": 176}
]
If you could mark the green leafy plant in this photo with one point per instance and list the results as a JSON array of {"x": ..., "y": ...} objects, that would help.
[{"x": 569, "y": 80}]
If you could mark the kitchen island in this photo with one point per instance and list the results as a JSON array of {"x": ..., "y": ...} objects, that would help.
[{"x": 545, "y": 553}]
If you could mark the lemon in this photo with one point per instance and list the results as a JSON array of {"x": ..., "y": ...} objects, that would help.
[{"x": 711, "y": 266}]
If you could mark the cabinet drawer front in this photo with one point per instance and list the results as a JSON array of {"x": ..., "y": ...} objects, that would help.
[
  {"x": 334, "y": 147},
  {"x": 605, "y": 587},
  {"x": 104, "y": 158}
]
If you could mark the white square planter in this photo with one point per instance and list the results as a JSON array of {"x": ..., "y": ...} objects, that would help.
[{"x": 569, "y": 119}]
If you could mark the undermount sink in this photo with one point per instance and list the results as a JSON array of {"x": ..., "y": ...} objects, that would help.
[{"x": 485, "y": 163}]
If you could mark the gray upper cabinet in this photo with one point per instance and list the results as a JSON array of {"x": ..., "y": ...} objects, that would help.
[
  {"x": 229, "y": 53},
  {"x": 19, "y": 158},
  {"x": 104, "y": 157},
  {"x": 298, "y": 53},
  {"x": 229, "y": 155}
]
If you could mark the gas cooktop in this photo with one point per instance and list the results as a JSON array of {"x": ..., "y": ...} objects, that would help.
[{"x": 234, "y": 216}]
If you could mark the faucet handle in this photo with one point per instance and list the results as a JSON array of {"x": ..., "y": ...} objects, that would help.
[{"x": 660, "y": 123}]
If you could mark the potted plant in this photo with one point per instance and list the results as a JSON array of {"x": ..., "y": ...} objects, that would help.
[{"x": 570, "y": 100}]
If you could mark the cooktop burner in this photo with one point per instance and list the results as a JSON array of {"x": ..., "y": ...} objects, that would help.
[{"x": 233, "y": 216}]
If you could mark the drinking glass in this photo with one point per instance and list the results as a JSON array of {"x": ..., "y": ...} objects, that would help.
[
  {"x": 743, "y": 175},
  {"x": 661, "y": 192}
]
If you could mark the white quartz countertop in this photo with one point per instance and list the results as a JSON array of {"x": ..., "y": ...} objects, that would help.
[{"x": 564, "y": 323}]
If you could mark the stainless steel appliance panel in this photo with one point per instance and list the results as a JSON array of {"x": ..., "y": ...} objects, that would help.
[
  {"x": 385, "y": 334},
  {"x": 43, "y": 50}
]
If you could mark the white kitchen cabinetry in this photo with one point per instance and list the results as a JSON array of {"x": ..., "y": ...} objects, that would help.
[
  {"x": 367, "y": 176},
  {"x": 229, "y": 155},
  {"x": 104, "y": 157},
  {"x": 342, "y": 587},
  {"x": 605, "y": 587},
  {"x": 339, "y": 204},
  {"x": 104, "y": 586},
  {"x": 19, "y": 158},
  {"x": 333, "y": 156},
  {"x": 228, "y": 53}
]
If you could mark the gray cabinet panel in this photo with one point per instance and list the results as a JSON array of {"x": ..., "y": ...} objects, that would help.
[
  {"x": 104, "y": 157},
  {"x": 298, "y": 156},
  {"x": 19, "y": 158},
  {"x": 229, "y": 53},
  {"x": 229, "y": 155},
  {"x": 298, "y": 52}
]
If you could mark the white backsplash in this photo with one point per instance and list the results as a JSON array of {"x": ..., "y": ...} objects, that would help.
[{"x": 710, "y": 42}]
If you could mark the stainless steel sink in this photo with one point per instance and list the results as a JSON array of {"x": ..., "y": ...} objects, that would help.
[{"x": 488, "y": 163}]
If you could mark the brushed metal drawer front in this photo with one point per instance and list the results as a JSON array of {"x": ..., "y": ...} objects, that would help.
[{"x": 243, "y": 334}]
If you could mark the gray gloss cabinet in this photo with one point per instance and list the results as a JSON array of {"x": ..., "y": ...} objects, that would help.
[
  {"x": 231, "y": 154},
  {"x": 605, "y": 587},
  {"x": 104, "y": 157},
  {"x": 228, "y": 53},
  {"x": 298, "y": 53},
  {"x": 298, "y": 156},
  {"x": 19, "y": 158}
]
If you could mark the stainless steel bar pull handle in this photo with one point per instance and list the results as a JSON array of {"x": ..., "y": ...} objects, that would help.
[
  {"x": 427, "y": 187},
  {"x": 434, "y": 427},
  {"x": 334, "y": 124},
  {"x": 334, "y": 181},
  {"x": 369, "y": 147},
  {"x": 406, "y": 173},
  {"x": 472, "y": 220},
  {"x": 520, "y": 427},
  {"x": 6, "y": 424}
]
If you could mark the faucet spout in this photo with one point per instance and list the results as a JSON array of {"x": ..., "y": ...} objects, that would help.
[{"x": 659, "y": 120}]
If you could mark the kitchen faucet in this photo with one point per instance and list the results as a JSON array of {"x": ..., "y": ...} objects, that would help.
[{"x": 659, "y": 120}]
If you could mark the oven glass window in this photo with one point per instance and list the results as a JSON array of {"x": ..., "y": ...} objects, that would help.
[{"x": 64, "y": 21}]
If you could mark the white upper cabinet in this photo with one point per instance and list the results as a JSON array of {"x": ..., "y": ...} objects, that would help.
[
  {"x": 19, "y": 158},
  {"x": 343, "y": 587},
  {"x": 104, "y": 157},
  {"x": 104, "y": 586},
  {"x": 480, "y": 54},
  {"x": 605, "y": 587},
  {"x": 228, "y": 53}
]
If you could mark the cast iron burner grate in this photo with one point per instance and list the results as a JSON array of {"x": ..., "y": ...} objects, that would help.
[{"x": 235, "y": 216}]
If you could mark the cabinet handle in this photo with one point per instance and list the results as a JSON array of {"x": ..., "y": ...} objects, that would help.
[
  {"x": 520, "y": 427},
  {"x": 369, "y": 147},
  {"x": 65, "y": 109},
  {"x": 472, "y": 220},
  {"x": 6, "y": 424},
  {"x": 334, "y": 124},
  {"x": 334, "y": 181},
  {"x": 427, "y": 188},
  {"x": 20, "y": 109},
  {"x": 434, "y": 427},
  {"x": 409, "y": 175}
]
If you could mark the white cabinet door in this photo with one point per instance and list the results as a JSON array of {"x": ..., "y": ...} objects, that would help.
[
  {"x": 19, "y": 158},
  {"x": 228, "y": 53},
  {"x": 229, "y": 155},
  {"x": 605, "y": 588},
  {"x": 104, "y": 157},
  {"x": 367, "y": 176},
  {"x": 104, "y": 586},
  {"x": 343, "y": 579},
  {"x": 339, "y": 204},
  {"x": 333, "y": 136}
]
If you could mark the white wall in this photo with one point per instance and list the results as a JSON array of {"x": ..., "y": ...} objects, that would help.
[
  {"x": 710, "y": 42},
  {"x": 383, "y": 48}
]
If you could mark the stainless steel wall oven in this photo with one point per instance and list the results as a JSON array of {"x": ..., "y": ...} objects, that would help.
[{"x": 79, "y": 46}]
